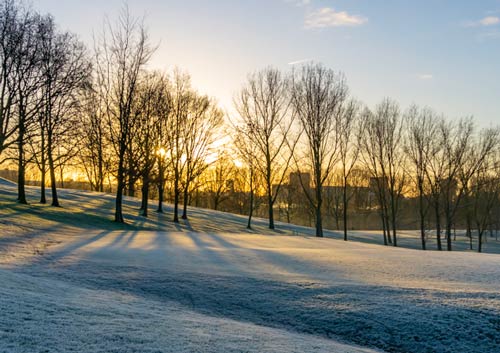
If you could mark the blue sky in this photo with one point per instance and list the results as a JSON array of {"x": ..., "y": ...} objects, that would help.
[{"x": 442, "y": 53}]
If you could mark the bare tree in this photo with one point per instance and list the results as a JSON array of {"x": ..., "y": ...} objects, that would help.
[
  {"x": 94, "y": 153},
  {"x": 383, "y": 157},
  {"x": 422, "y": 129},
  {"x": 148, "y": 115},
  {"x": 202, "y": 124},
  {"x": 485, "y": 193},
  {"x": 319, "y": 95},
  {"x": 165, "y": 112},
  {"x": 220, "y": 179},
  {"x": 64, "y": 71},
  {"x": 263, "y": 106},
  {"x": 435, "y": 174},
  {"x": 9, "y": 32},
  {"x": 456, "y": 143},
  {"x": 351, "y": 133},
  {"x": 27, "y": 80},
  {"x": 181, "y": 96},
  {"x": 247, "y": 153},
  {"x": 121, "y": 55},
  {"x": 480, "y": 169}
]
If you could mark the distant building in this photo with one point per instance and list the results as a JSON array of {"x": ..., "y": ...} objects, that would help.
[{"x": 299, "y": 180}]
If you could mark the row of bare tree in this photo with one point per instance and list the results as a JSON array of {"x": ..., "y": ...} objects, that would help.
[
  {"x": 104, "y": 112},
  {"x": 41, "y": 72},
  {"x": 305, "y": 121}
]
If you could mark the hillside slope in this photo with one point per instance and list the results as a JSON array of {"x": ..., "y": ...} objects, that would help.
[{"x": 75, "y": 281}]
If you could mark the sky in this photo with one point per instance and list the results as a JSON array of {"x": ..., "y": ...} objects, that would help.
[{"x": 444, "y": 54}]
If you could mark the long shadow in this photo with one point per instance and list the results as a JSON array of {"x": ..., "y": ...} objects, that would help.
[
  {"x": 204, "y": 249},
  {"x": 67, "y": 250},
  {"x": 392, "y": 319}
]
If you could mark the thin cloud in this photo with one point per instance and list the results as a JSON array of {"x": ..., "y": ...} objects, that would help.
[
  {"x": 298, "y": 62},
  {"x": 425, "y": 77},
  {"x": 328, "y": 17},
  {"x": 484, "y": 22},
  {"x": 299, "y": 2},
  {"x": 489, "y": 35}
]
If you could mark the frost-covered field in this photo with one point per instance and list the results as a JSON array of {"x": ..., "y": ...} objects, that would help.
[{"x": 71, "y": 281}]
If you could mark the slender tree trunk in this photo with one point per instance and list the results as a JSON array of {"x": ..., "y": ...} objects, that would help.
[
  {"x": 21, "y": 191},
  {"x": 120, "y": 186},
  {"x": 438, "y": 228},
  {"x": 271, "y": 211},
  {"x": 448, "y": 231},
  {"x": 100, "y": 172},
  {"x": 176, "y": 198},
  {"x": 43, "y": 168},
  {"x": 161, "y": 186},
  {"x": 131, "y": 186},
  {"x": 344, "y": 207},
  {"x": 384, "y": 227},
  {"x": 269, "y": 193},
  {"x": 468, "y": 229},
  {"x": 145, "y": 195},
  {"x": 160, "y": 197},
  {"x": 394, "y": 221},
  {"x": 52, "y": 172},
  {"x": 319, "y": 203},
  {"x": 53, "y": 185},
  {"x": 422, "y": 217},
  {"x": 185, "y": 202},
  {"x": 250, "y": 211},
  {"x": 387, "y": 226},
  {"x": 479, "y": 240},
  {"x": 43, "y": 196},
  {"x": 216, "y": 202}
]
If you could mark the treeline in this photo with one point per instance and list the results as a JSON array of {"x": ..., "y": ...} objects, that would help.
[{"x": 296, "y": 140}]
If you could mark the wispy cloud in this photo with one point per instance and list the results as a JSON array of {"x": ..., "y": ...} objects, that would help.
[
  {"x": 489, "y": 35},
  {"x": 425, "y": 77},
  {"x": 301, "y": 61},
  {"x": 484, "y": 22},
  {"x": 328, "y": 17},
  {"x": 299, "y": 2}
]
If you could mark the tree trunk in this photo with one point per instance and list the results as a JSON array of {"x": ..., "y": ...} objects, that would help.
[
  {"x": 319, "y": 221},
  {"x": 344, "y": 207},
  {"x": 185, "y": 202},
  {"x": 21, "y": 191},
  {"x": 216, "y": 202},
  {"x": 131, "y": 186},
  {"x": 43, "y": 168},
  {"x": 43, "y": 197},
  {"x": 52, "y": 172},
  {"x": 119, "y": 187},
  {"x": 100, "y": 172},
  {"x": 387, "y": 225},
  {"x": 384, "y": 228},
  {"x": 393, "y": 220},
  {"x": 422, "y": 217},
  {"x": 479, "y": 240},
  {"x": 176, "y": 202},
  {"x": 250, "y": 211},
  {"x": 271, "y": 211},
  {"x": 448, "y": 235},
  {"x": 438, "y": 227},
  {"x": 468, "y": 231},
  {"x": 145, "y": 195},
  {"x": 160, "y": 197}
]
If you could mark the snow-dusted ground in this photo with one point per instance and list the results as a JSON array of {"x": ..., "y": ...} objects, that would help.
[{"x": 209, "y": 285}]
